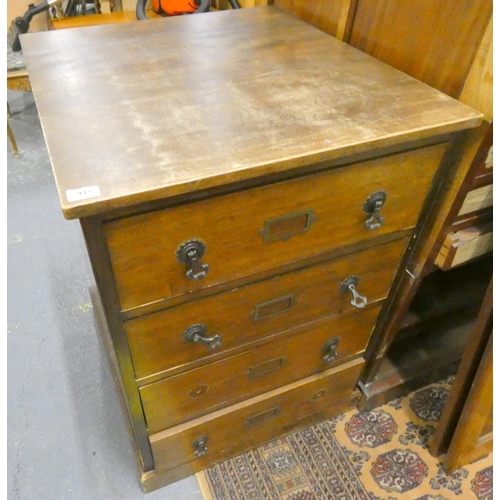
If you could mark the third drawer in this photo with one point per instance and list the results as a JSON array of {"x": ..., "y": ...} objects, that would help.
[{"x": 312, "y": 348}]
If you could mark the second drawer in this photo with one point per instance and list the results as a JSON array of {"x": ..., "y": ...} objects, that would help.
[
  {"x": 158, "y": 341},
  {"x": 311, "y": 349}
]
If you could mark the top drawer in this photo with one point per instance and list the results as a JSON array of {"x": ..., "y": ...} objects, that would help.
[{"x": 259, "y": 229}]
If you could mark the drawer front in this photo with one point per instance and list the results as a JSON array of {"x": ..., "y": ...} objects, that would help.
[
  {"x": 239, "y": 317},
  {"x": 208, "y": 436},
  {"x": 477, "y": 199},
  {"x": 462, "y": 246},
  {"x": 260, "y": 229},
  {"x": 150, "y": 480},
  {"x": 312, "y": 348}
]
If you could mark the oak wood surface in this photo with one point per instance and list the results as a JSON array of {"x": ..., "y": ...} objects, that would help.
[
  {"x": 236, "y": 423},
  {"x": 471, "y": 393},
  {"x": 473, "y": 437},
  {"x": 478, "y": 89},
  {"x": 143, "y": 248},
  {"x": 156, "y": 341},
  {"x": 334, "y": 253},
  {"x": 435, "y": 42},
  {"x": 171, "y": 106},
  {"x": 327, "y": 15},
  {"x": 273, "y": 178},
  {"x": 105, "y": 303},
  {"x": 197, "y": 392}
]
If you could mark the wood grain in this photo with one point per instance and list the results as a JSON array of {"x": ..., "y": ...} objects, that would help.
[
  {"x": 478, "y": 89},
  {"x": 327, "y": 15},
  {"x": 231, "y": 425},
  {"x": 474, "y": 367},
  {"x": 153, "y": 479},
  {"x": 468, "y": 154},
  {"x": 470, "y": 440},
  {"x": 156, "y": 341},
  {"x": 200, "y": 391},
  {"x": 172, "y": 106},
  {"x": 435, "y": 42},
  {"x": 143, "y": 248}
]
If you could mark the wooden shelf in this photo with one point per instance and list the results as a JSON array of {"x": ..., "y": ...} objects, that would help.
[
  {"x": 433, "y": 333},
  {"x": 417, "y": 361},
  {"x": 441, "y": 294}
]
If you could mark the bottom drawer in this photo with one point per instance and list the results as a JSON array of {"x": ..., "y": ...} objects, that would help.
[{"x": 215, "y": 437}]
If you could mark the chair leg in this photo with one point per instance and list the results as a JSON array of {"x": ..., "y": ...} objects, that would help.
[{"x": 15, "y": 151}]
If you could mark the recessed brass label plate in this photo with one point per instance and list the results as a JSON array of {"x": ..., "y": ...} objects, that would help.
[
  {"x": 262, "y": 416},
  {"x": 272, "y": 307},
  {"x": 266, "y": 367},
  {"x": 286, "y": 226}
]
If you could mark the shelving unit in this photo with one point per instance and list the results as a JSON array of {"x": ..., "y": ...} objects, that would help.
[{"x": 434, "y": 333}]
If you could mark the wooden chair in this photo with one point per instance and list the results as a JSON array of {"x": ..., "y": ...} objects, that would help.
[
  {"x": 17, "y": 79},
  {"x": 10, "y": 134},
  {"x": 94, "y": 20}
]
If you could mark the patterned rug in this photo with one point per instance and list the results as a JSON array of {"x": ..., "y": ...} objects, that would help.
[{"x": 375, "y": 455}]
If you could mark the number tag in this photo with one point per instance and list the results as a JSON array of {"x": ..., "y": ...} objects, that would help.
[{"x": 83, "y": 193}]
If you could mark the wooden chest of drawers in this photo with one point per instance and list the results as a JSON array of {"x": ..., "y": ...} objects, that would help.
[{"x": 247, "y": 194}]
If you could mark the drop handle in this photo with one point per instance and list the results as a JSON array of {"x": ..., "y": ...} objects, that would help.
[
  {"x": 198, "y": 334},
  {"x": 372, "y": 207},
  {"x": 190, "y": 254},
  {"x": 349, "y": 285}
]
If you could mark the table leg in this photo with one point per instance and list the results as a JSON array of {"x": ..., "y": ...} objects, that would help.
[{"x": 15, "y": 151}]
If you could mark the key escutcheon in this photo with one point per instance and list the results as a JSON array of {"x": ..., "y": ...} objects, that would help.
[
  {"x": 349, "y": 285},
  {"x": 372, "y": 207},
  {"x": 200, "y": 446},
  {"x": 190, "y": 253},
  {"x": 330, "y": 349},
  {"x": 198, "y": 334}
]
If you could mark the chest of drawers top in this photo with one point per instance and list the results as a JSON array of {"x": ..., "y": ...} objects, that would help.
[{"x": 143, "y": 111}]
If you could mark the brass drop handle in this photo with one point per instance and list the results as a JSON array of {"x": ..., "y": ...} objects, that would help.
[
  {"x": 372, "y": 207},
  {"x": 200, "y": 446},
  {"x": 329, "y": 349},
  {"x": 349, "y": 285},
  {"x": 190, "y": 253},
  {"x": 198, "y": 333}
]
